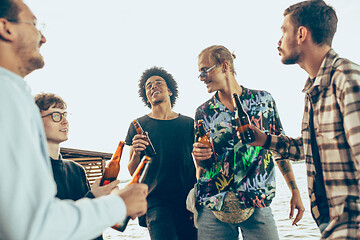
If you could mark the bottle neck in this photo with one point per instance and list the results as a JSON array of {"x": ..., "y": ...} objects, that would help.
[
  {"x": 238, "y": 107},
  {"x": 202, "y": 131}
]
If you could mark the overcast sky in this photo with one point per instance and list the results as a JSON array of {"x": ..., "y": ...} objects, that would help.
[{"x": 96, "y": 52}]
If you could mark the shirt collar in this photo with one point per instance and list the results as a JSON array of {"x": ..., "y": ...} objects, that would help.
[
  {"x": 323, "y": 77},
  {"x": 217, "y": 104},
  {"x": 60, "y": 158},
  {"x": 18, "y": 80}
]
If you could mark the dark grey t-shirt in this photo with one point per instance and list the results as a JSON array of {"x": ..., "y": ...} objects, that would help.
[
  {"x": 70, "y": 178},
  {"x": 171, "y": 174}
]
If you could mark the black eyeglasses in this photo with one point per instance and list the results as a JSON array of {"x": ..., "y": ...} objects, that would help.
[
  {"x": 56, "y": 116},
  {"x": 204, "y": 73}
]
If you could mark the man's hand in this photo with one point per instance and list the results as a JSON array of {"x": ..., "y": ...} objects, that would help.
[
  {"x": 201, "y": 152},
  {"x": 296, "y": 202},
  {"x": 99, "y": 191},
  {"x": 260, "y": 137},
  {"x": 134, "y": 196},
  {"x": 139, "y": 143}
]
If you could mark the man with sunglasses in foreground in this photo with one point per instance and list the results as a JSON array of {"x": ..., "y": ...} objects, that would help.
[
  {"x": 237, "y": 187},
  {"x": 70, "y": 177},
  {"x": 28, "y": 206}
]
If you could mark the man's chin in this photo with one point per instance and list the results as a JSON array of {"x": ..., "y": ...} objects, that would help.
[
  {"x": 210, "y": 90},
  {"x": 35, "y": 63},
  {"x": 288, "y": 61},
  {"x": 40, "y": 63}
]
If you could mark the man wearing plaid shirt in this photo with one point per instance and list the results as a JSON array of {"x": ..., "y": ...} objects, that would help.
[{"x": 330, "y": 141}]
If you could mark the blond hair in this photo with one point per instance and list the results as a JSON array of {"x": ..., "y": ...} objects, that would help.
[{"x": 220, "y": 54}]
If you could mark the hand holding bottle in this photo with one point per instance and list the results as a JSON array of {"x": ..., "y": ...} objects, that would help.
[
  {"x": 99, "y": 191},
  {"x": 139, "y": 143},
  {"x": 150, "y": 150},
  {"x": 138, "y": 177},
  {"x": 134, "y": 197},
  {"x": 202, "y": 149},
  {"x": 260, "y": 137},
  {"x": 201, "y": 152}
]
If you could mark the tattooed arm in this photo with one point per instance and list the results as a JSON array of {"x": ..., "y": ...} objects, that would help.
[{"x": 295, "y": 202}]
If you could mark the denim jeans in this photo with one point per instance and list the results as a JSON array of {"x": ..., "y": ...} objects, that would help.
[{"x": 261, "y": 225}]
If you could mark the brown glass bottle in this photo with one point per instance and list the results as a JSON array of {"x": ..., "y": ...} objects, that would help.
[
  {"x": 242, "y": 122},
  {"x": 112, "y": 169},
  {"x": 150, "y": 150},
  {"x": 138, "y": 177},
  {"x": 203, "y": 138}
]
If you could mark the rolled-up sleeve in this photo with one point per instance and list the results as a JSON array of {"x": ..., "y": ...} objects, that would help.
[{"x": 287, "y": 147}]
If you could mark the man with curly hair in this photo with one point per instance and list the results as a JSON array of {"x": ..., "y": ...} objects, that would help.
[{"x": 172, "y": 172}]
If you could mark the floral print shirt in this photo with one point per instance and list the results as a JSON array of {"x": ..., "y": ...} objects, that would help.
[{"x": 243, "y": 169}]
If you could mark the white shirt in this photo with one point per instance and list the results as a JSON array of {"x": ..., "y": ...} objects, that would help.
[{"x": 28, "y": 207}]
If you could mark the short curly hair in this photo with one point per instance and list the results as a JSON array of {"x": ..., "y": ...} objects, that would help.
[{"x": 169, "y": 79}]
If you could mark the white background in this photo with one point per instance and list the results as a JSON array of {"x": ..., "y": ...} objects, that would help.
[{"x": 96, "y": 52}]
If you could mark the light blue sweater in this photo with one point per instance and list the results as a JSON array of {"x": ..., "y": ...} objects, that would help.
[{"x": 28, "y": 207}]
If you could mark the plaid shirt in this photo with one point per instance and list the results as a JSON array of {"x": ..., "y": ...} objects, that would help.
[{"x": 335, "y": 99}]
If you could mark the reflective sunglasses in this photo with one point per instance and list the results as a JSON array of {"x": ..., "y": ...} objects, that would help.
[{"x": 205, "y": 73}]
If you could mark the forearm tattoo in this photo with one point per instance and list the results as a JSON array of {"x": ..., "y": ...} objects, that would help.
[{"x": 286, "y": 170}]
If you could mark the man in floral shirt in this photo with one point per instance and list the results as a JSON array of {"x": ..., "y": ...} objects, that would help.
[{"x": 241, "y": 172}]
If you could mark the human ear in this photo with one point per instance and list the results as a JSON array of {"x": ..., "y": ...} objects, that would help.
[
  {"x": 302, "y": 34},
  {"x": 5, "y": 30},
  {"x": 225, "y": 66}
]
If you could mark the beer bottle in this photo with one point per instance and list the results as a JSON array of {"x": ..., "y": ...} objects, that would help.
[
  {"x": 150, "y": 150},
  {"x": 203, "y": 138},
  {"x": 112, "y": 169},
  {"x": 138, "y": 177},
  {"x": 242, "y": 122}
]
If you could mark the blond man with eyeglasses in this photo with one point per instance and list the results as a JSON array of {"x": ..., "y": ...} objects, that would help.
[{"x": 238, "y": 184}]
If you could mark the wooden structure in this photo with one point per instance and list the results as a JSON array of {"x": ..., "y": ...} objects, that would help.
[{"x": 93, "y": 162}]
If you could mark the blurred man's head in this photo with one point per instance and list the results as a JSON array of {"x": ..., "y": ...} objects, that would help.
[{"x": 20, "y": 38}]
